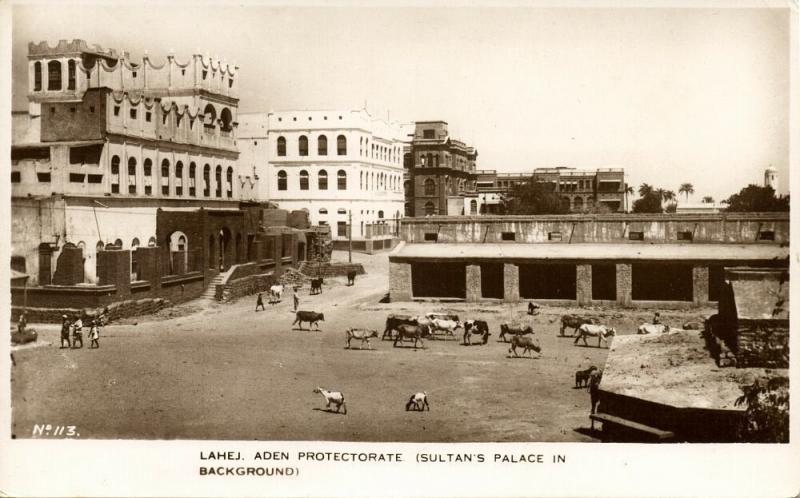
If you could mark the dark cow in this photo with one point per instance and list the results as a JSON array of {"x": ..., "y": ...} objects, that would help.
[
  {"x": 415, "y": 332},
  {"x": 693, "y": 326},
  {"x": 394, "y": 321},
  {"x": 476, "y": 327},
  {"x": 351, "y": 278},
  {"x": 512, "y": 329},
  {"x": 316, "y": 285},
  {"x": 312, "y": 317},
  {"x": 528, "y": 343},
  {"x": 575, "y": 322},
  {"x": 582, "y": 376},
  {"x": 533, "y": 308}
]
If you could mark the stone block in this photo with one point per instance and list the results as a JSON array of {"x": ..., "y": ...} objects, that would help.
[
  {"x": 473, "y": 283},
  {"x": 400, "y": 281},
  {"x": 624, "y": 284},
  {"x": 700, "y": 284},
  {"x": 510, "y": 283},
  {"x": 583, "y": 284}
]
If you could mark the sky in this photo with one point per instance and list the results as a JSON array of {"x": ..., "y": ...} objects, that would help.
[{"x": 670, "y": 95}]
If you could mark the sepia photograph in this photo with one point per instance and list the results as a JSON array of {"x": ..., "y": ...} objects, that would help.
[{"x": 399, "y": 223}]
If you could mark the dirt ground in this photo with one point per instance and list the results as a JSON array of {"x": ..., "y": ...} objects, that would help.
[{"x": 212, "y": 371}]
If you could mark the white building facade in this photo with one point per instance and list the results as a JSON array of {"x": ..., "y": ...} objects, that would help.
[{"x": 335, "y": 164}]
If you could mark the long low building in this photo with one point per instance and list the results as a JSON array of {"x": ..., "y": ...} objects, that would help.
[{"x": 473, "y": 259}]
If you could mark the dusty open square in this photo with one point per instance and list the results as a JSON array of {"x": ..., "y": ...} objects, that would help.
[{"x": 226, "y": 372}]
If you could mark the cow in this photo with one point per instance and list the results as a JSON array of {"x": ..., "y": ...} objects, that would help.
[
  {"x": 693, "y": 326},
  {"x": 582, "y": 377},
  {"x": 652, "y": 328},
  {"x": 447, "y": 326},
  {"x": 512, "y": 329},
  {"x": 332, "y": 398},
  {"x": 418, "y": 401},
  {"x": 276, "y": 292},
  {"x": 415, "y": 332},
  {"x": 574, "y": 322},
  {"x": 602, "y": 332},
  {"x": 528, "y": 343},
  {"x": 533, "y": 308},
  {"x": 394, "y": 321},
  {"x": 351, "y": 278},
  {"x": 312, "y": 317},
  {"x": 442, "y": 316},
  {"x": 360, "y": 334},
  {"x": 476, "y": 327},
  {"x": 316, "y": 285}
]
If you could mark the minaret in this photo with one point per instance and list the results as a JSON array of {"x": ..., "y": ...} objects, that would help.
[{"x": 771, "y": 178}]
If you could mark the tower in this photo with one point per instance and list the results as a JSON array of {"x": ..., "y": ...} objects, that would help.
[{"x": 771, "y": 178}]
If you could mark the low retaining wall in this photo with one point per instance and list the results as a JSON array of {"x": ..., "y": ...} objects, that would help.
[
  {"x": 245, "y": 286},
  {"x": 121, "y": 309},
  {"x": 327, "y": 270},
  {"x": 368, "y": 246}
]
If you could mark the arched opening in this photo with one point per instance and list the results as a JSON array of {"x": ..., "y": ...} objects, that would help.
[
  {"x": 430, "y": 160},
  {"x": 207, "y": 180},
  {"x": 132, "y": 175},
  {"x": 565, "y": 203},
  {"x": 178, "y": 247},
  {"x": 54, "y": 75},
  {"x": 218, "y": 179},
  {"x": 226, "y": 249},
  {"x": 179, "y": 178},
  {"x": 209, "y": 116},
  {"x": 226, "y": 120},
  {"x": 429, "y": 208},
  {"x": 578, "y": 204},
  {"x": 473, "y": 207},
  {"x": 341, "y": 180},
  {"x": 148, "y": 176},
  {"x": 115, "y": 174},
  {"x": 303, "y": 180},
  {"x": 134, "y": 262},
  {"x": 302, "y": 145},
  {"x": 71, "y": 74},
  {"x": 281, "y": 146},
  {"x": 37, "y": 76},
  {"x": 151, "y": 242},
  {"x": 282, "y": 180},
  {"x": 341, "y": 145},
  {"x": 192, "y": 179},
  {"x": 430, "y": 187},
  {"x": 229, "y": 182},
  {"x": 165, "y": 177},
  {"x": 322, "y": 145},
  {"x": 118, "y": 244},
  {"x": 322, "y": 180}
]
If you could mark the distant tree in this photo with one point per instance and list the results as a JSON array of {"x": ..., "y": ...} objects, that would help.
[
  {"x": 708, "y": 200},
  {"x": 671, "y": 207},
  {"x": 686, "y": 188},
  {"x": 766, "y": 416},
  {"x": 645, "y": 189},
  {"x": 754, "y": 199},
  {"x": 669, "y": 195},
  {"x": 648, "y": 203},
  {"x": 532, "y": 197}
]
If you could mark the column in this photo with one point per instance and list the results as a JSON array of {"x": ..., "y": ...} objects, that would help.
[
  {"x": 400, "y": 281},
  {"x": 624, "y": 284},
  {"x": 700, "y": 285},
  {"x": 473, "y": 282},
  {"x": 510, "y": 283},
  {"x": 583, "y": 284}
]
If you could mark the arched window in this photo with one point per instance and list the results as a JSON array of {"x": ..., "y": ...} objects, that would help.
[
  {"x": 226, "y": 119},
  {"x": 192, "y": 179},
  {"x": 229, "y": 180},
  {"x": 323, "y": 211},
  {"x": 209, "y": 116},
  {"x": 473, "y": 207},
  {"x": 361, "y": 180},
  {"x": 303, "y": 180},
  {"x": 429, "y": 208},
  {"x": 54, "y": 75},
  {"x": 207, "y": 180},
  {"x": 361, "y": 146},
  {"x": 148, "y": 176},
  {"x": 115, "y": 175},
  {"x": 218, "y": 178},
  {"x": 281, "y": 146},
  {"x": 281, "y": 180},
  {"x": 578, "y": 204},
  {"x": 132, "y": 175},
  {"x": 341, "y": 180},
  {"x": 430, "y": 160},
  {"x": 118, "y": 243},
  {"x": 71, "y": 75},
  {"x": 430, "y": 187},
  {"x": 37, "y": 76},
  {"x": 151, "y": 242},
  {"x": 302, "y": 145},
  {"x": 134, "y": 243},
  {"x": 322, "y": 145},
  {"x": 565, "y": 202},
  {"x": 322, "y": 180},
  {"x": 165, "y": 177},
  {"x": 100, "y": 246},
  {"x": 179, "y": 178},
  {"x": 341, "y": 211},
  {"x": 182, "y": 243},
  {"x": 341, "y": 145}
]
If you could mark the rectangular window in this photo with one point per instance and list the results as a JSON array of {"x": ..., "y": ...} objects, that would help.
[
  {"x": 323, "y": 223},
  {"x": 76, "y": 177},
  {"x": 16, "y": 177},
  {"x": 431, "y": 237},
  {"x": 508, "y": 236},
  {"x": 766, "y": 235},
  {"x": 554, "y": 236},
  {"x": 341, "y": 229},
  {"x": 38, "y": 153},
  {"x": 115, "y": 188},
  {"x": 428, "y": 134},
  {"x": 685, "y": 235},
  {"x": 148, "y": 116},
  {"x": 148, "y": 190},
  {"x": 133, "y": 113},
  {"x": 43, "y": 177},
  {"x": 95, "y": 178},
  {"x": 636, "y": 236},
  {"x": 88, "y": 154},
  {"x": 116, "y": 110}
]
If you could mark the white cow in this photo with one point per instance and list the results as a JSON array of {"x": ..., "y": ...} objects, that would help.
[
  {"x": 447, "y": 326},
  {"x": 652, "y": 328},
  {"x": 277, "y": 291},
  {"x": 602, "y": 332}
]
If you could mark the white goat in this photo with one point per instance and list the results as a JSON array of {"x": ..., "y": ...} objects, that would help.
[
  {"x": 419, "y": 401},
  {"x": 334, "y": 397}
]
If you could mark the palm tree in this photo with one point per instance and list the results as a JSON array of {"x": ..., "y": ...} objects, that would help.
[
  {"x": 628, "y": 191},
  {"x": 662, "y": 194},
  {"x": 686, "y": 188},
  {"x": 669, "y": 195},
  {"x": 708, "y": 199},
  {"x": 645, "y": 189}
]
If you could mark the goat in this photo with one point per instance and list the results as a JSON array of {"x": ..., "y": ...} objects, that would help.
[{"x": 334, "y": 397}]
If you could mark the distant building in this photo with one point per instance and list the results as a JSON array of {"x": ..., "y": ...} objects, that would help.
[
  {"x": 771, "y": 178},
  {"x": 440, "y": 170},
  {"x": 580, "y": 190},
  {"x": 333, "y": 163}
]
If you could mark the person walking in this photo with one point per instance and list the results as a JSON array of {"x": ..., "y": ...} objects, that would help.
[
  {"x": 94, "y": 335},
  {"x": 295, "y": 298},
  {"x": 260, "y": 302},
  {"x": 77, "y": 331},
  {"x": 65, "y": 325}
]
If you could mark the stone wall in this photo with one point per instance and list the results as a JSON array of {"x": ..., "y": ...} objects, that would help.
[
  {"x": 473, "y": 283},
  {"x": 327, "y": 270},
  {"x": 246, "y": 286},
  {"x": 510, "y": 283},
  {"x": 117, "y": 310},
  {"x": 583, "y": 287},
  {"x": 400, "y": 281}
]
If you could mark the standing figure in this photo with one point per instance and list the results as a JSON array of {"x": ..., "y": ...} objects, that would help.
[
  {"x": 295, "y": 298},
  {"x": 65, "y": 326},
  {"x": 594, "y": 388},
  {"x": 657, "y": 318},
  {"x": 77, "y": 331},
  {"x": 260, "y": 302},
  {"x": 94, "y": 335},
  {"x": 23, "y": 322}
]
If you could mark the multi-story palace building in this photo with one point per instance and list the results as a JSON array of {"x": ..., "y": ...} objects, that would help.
[
  {"x": 107, "y": 142},
  {"x": 335, "y": 164},
  {"x": 580, "y": 190},
  {"x": 439, "y": 171}
]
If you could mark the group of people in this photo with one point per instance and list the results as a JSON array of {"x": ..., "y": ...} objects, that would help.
[
  {"x": 272, "y": 300},
  {"x": 75, "y": 329}
]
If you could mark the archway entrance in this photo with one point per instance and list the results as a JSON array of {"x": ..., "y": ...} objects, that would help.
[{"x": 226, "y": 249}]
